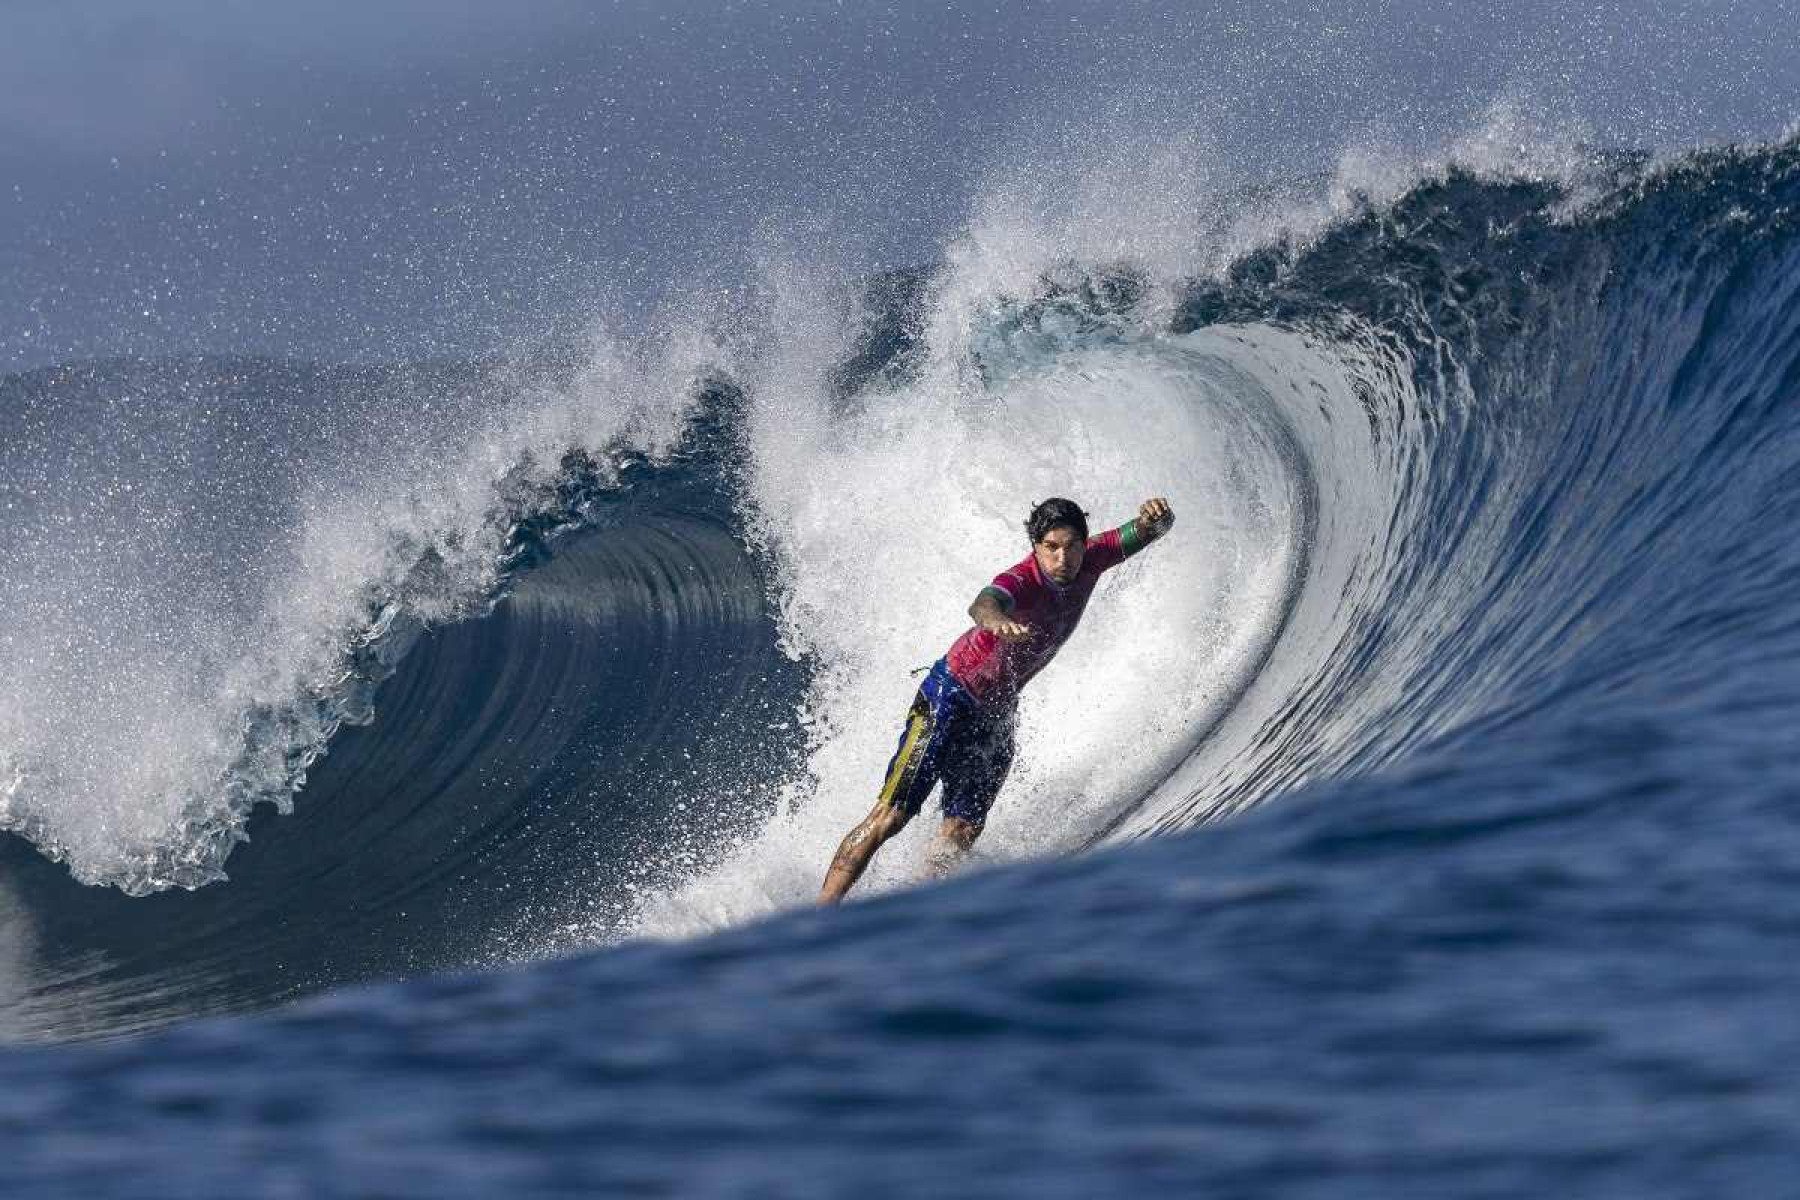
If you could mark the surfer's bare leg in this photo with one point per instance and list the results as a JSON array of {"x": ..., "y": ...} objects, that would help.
[
  {"x": 858, "y": 847},
  {"x": 954, "y": 839}
]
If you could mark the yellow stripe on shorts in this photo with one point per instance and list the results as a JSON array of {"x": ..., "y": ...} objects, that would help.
[{"x": 917, "y": 726}]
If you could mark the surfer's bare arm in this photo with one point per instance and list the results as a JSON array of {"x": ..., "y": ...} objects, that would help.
[{"x": 988, "y": 613}]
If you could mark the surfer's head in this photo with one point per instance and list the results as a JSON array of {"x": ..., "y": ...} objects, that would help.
[{"x": 1058, "y": 531}]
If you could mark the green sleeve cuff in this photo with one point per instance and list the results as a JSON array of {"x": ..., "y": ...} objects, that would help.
[
  {"x": 1130, "y": 540},
  {"x": 1001, "y": 598}
]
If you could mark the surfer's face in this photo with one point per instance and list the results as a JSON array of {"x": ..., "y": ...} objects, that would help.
[{"x": 1059, "y": 553}]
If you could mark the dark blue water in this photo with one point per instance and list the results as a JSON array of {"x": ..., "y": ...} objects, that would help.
[{"x": 1461, "y": 862}]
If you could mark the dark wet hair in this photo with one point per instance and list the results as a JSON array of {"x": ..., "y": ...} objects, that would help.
[{"x": 1052, "y": 513}]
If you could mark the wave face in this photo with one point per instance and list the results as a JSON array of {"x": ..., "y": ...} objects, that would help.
[
  {"x": 1484, "y": 570},
  {"x": 1573, "y": 503}
]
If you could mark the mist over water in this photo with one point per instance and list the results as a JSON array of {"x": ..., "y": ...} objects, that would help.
[{"x": 340, "y": 184}]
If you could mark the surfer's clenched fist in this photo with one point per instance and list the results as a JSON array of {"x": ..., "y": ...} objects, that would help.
[{"x": 1155, "y": 515}]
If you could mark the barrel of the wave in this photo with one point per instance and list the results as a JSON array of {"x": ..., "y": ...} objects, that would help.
[{"x": 960, "y": 728}]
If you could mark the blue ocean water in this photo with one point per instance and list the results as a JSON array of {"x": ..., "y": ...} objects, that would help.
[{"x": 1416, "y": 820}]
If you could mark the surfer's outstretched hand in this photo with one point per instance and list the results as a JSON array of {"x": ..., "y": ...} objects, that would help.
[
  {"x": 1156, "y": 514},
  {"x": 1009, "y": 630}
]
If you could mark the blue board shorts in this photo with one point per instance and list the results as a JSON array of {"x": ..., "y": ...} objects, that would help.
[{"x": 952, "y": 736}]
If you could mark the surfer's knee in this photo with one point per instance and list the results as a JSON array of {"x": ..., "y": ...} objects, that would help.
[
  {"x": 960, "y": 831},
  {"x": 887, "y": 820},
  {"x": 872, "y": 831}
]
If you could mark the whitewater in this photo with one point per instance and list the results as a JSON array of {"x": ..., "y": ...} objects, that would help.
[{"x": 1415, "y": 819}]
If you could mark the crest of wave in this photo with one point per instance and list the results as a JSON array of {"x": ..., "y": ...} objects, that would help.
[{"x": 147, "y": 710}]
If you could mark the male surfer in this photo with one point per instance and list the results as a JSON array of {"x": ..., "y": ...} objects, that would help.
[{"x": 960, "y": 727}]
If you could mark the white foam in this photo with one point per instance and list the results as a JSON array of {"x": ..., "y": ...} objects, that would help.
[{"x": 888, "y": 511}]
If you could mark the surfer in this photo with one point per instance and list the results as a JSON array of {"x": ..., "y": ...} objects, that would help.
[{"x": 960, "y": 726}]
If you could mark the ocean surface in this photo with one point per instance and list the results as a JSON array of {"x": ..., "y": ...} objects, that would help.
[{"x": 416, "y": 778}]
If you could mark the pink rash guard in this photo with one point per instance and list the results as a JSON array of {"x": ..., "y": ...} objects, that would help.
[{"x": 993, "y": 671}]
